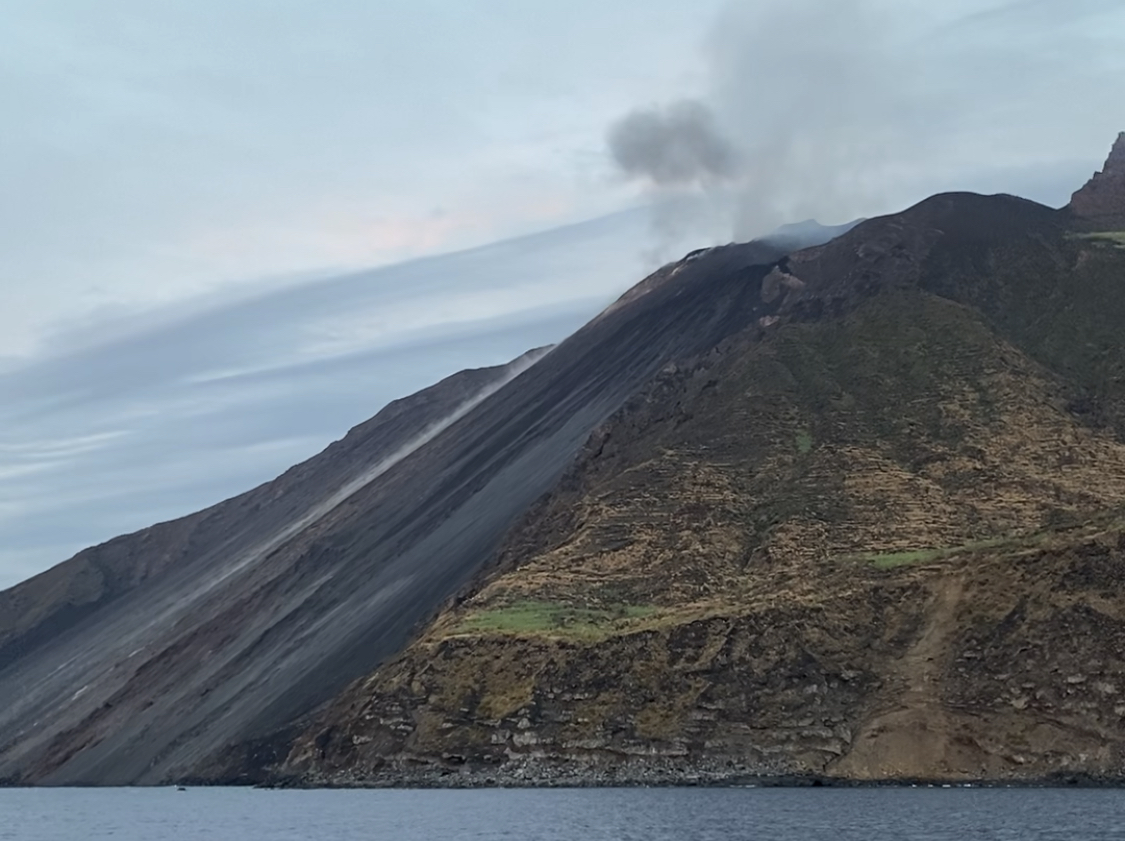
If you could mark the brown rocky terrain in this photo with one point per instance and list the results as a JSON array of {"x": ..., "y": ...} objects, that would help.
[{"x": 876, "y": 535}]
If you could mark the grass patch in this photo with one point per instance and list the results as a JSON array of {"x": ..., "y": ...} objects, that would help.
[
  {"x": 552, "y": 618},
  {"x": 1112, "y": 237},
  {"x": 804, "y": 442},
  {"x": 891, "y": 560}
]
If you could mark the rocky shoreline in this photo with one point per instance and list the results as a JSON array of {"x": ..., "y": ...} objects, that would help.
[{"x": 716, "y": 774}]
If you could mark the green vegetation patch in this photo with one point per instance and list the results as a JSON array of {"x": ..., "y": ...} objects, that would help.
[
  {"x": 1112, "y": 237},
  {"x": 891, "y": 560},
  {"x": 553, "y": 619},
  {"x": 804, "y": 442}
]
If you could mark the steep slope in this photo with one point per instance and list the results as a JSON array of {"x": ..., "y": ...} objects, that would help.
[
  {"x": 225, "y": 643},
  {"x": 34, "y": 611},
  {"x": 877, "y": 534},
  {"x": 94, "y": 623}
]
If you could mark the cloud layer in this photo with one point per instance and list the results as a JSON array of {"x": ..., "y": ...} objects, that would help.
[
  {"x": 153, "y": 151},
  {"x": 165, "y": 413}
]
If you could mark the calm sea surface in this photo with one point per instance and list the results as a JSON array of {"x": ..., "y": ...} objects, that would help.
[{"x": 562, "y": 815}]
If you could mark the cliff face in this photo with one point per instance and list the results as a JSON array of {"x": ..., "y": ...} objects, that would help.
[
  {"x": 876, "y": 534},
  {"x": 1102, "y": 199}
]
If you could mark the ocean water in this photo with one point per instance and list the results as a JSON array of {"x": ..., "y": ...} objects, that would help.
[{"x": 682, "y": 814}]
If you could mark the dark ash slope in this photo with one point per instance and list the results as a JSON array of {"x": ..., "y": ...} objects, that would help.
[{"x": 140, "y": 661}]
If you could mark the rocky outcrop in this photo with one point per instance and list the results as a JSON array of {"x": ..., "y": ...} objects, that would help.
[
  {"x": 982, "y": 666},
  {"x": 1103, "y": 196}
]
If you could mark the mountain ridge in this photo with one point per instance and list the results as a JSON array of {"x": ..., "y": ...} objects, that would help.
[
  {"x": 1101, "y": 201},
  {"x": 388, "y": 429}
]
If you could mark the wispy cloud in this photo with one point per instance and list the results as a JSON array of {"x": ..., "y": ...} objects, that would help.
[
  {"x": 1035, "y": 12},
  {"x": 166, "y": 414},
  {"x": 152, "y": 151}
]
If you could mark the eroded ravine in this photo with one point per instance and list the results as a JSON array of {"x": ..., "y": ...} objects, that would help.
[{"x": 909, "y": 735}]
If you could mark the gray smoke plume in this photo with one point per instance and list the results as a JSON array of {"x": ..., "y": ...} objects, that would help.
[
  {"x": 838, "y": 109},
  {"x": 678, "y": 145}
]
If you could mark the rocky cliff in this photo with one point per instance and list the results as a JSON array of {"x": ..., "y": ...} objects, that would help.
[{"x": 1102, "y": 199}]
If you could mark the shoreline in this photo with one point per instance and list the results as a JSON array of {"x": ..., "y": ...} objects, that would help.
[
  {"x": 1063, "y": 782},
  {"x": 480, "y": 779}
]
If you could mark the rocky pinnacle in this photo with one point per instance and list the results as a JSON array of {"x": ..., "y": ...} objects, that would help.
[{"x": 1104, "y": 194}]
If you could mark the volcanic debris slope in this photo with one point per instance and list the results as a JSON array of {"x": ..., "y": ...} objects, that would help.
[
  {"x": 145, "y": 659},
  {"x": 73, "y": 638},
  {"x": 876, "y": 534}
]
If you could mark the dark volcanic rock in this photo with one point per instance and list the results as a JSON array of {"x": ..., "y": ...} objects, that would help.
[
  {"x": 141, "y": 661},
  {"x": 39, "y": 609},
  {"x": 1103, "y": 196},
  {"x": 64, "y": 633}
]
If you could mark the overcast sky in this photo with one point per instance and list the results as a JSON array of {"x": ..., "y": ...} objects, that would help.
[{"x": 191, "y": 194}]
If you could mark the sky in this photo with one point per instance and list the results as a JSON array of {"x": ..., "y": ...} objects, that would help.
[{"x": 232, "y": 229}]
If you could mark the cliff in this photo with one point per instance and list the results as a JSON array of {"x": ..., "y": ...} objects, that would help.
[{"x": 1102, "y": 200}]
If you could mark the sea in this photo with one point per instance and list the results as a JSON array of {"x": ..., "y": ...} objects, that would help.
[{"x": 607, "y": 814}]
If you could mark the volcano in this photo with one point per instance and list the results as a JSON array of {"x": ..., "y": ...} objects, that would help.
[{"x": 853, "y": 511}]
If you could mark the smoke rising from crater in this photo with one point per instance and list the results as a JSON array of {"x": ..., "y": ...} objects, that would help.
[
  {"x": 678, "y": 145},
  {"x": 837, "y": 109}
]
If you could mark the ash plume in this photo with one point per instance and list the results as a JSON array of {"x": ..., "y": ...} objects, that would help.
[
  {"x": 678, "y": 145},
  {"x": 839, "y": 109}
]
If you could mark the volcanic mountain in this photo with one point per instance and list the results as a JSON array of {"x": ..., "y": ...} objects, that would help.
[
  {"x": 876, "y": 534},
  {"x": 852, "y": 511},
  {"x": 140, "y": 659}
]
